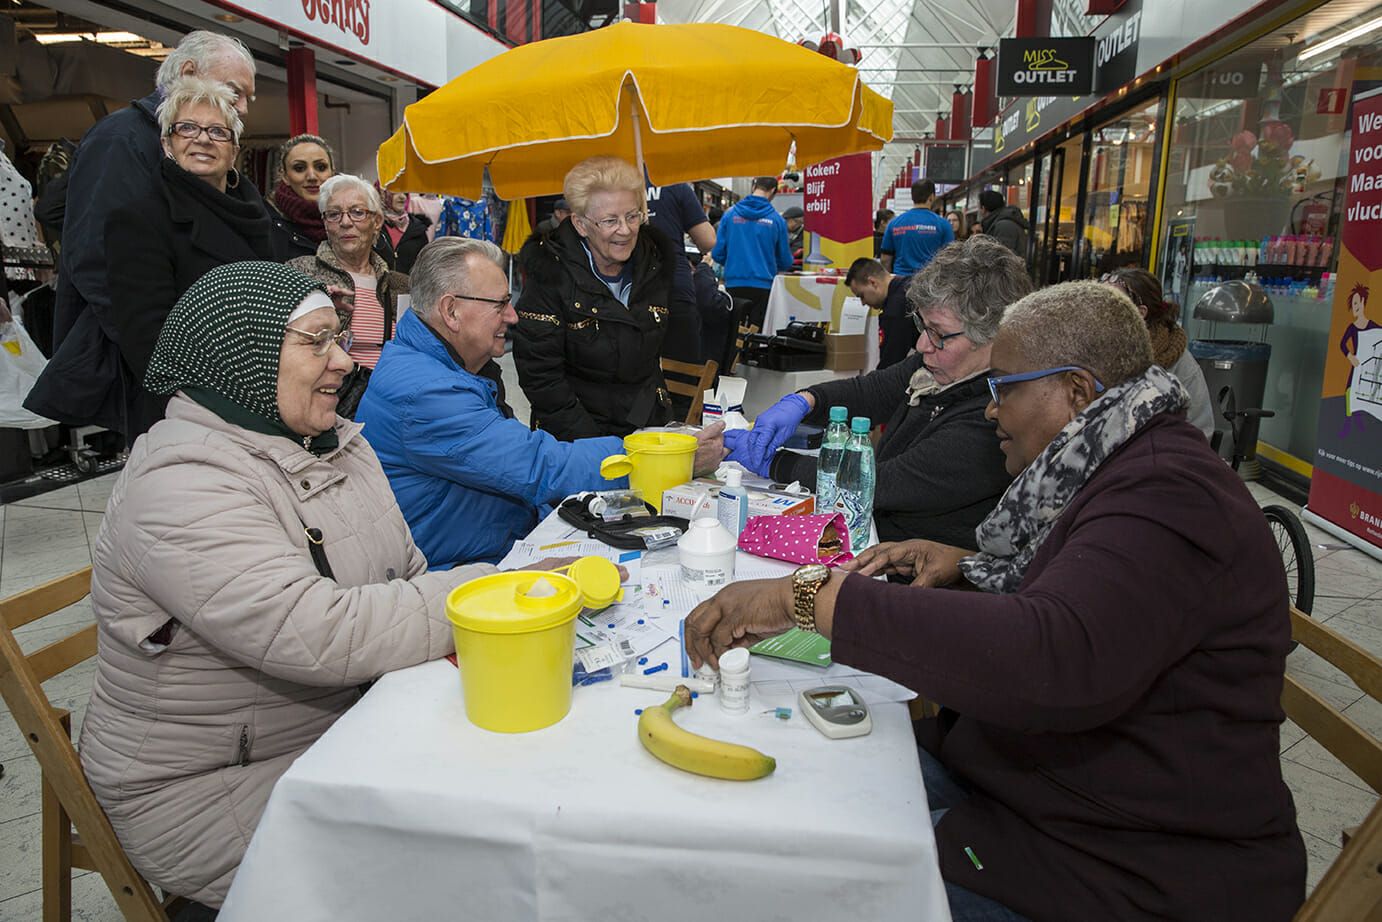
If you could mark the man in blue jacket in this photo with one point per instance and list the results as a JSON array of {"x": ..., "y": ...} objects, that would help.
[
  {"x": 752, "y": 245},
  {"x": 914, "y": 236},
  {"x": 470, "y": 478}
]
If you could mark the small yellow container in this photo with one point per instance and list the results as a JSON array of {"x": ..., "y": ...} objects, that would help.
[
  {"x": 653, "y": 461},
  {"x": 515, "y": 634}
]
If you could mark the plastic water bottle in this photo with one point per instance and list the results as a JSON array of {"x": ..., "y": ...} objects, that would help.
[
  {"x": 854, "y": 483},
  {"x": 832, "y": 451}
]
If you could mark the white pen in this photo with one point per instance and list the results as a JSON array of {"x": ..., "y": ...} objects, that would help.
[{"x": 666, "y": 683}]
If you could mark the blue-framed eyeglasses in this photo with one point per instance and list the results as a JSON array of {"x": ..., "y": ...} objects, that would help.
[{"x": 1004, "y": 380}]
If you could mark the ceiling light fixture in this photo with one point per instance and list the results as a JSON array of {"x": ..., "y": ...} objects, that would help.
[
  {"x": 1340, "y": 39},
  {"x": 104, "y": 38},
  {"x": 227, "y": 17}
]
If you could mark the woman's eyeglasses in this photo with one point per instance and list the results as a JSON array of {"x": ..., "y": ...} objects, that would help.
[
  {"x": 1001, "y": 381},
  {"x": 356, "y": 214},
  {"x": 191, "y": 131},
  {"x": 937, "y": 338},
  {"x": 633, "y": 219},
  {"x": 322, "y": 340}
]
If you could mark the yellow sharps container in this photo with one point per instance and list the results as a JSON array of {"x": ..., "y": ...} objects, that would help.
[{"x": 515, "y": 633}]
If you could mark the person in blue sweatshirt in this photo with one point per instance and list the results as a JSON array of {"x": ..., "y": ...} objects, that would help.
[
  {"x": 470, "y": 478},
  {"x": 753, "y": 247}
]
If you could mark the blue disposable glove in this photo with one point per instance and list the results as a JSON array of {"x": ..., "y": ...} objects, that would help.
[
  {"x": 741, "y": 450},
  {"x": 775, "y": 425}
]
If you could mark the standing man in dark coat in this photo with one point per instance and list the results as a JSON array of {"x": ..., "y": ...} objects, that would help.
[
  {"x": 1003, "y": 222},
  {"x": 115, "y": 165}
]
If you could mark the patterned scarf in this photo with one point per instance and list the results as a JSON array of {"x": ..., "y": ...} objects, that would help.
[
  {"x": 1015, "y": 529},
  {"x": 220, "y": 346},
  {"x": 923, "y": 384},
  {"x": 1168, "y": 342},
  {"x": 305, "y": 214}
]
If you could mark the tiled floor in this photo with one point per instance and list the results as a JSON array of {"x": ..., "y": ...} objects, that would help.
[{"x": 52, "y": 534}]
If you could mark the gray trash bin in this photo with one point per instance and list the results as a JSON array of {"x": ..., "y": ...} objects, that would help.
[{"x": 1242, "y": 366}]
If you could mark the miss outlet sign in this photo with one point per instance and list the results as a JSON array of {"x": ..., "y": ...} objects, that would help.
[{"x": 1045, "y": 66}]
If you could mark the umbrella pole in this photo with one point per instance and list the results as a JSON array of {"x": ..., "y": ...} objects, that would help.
[{"x": 637, "y": 132}]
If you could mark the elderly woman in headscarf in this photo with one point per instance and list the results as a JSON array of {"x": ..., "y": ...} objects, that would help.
[
  {"x": 1168, "y": 340},
  {"x": 1109, "y": 748},
  {"x": 594, "y": 309},
  {"x": 252, "y": 572},
  {"x": 404, "y": 234},
  {"x": 347, "y": 263}
]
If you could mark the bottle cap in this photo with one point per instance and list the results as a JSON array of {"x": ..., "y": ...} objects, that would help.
[
  {"x": 734, "y": 661},
  {"x": 859, "y": 424},
  {"x": 839, "y": 414},
  {"x": 734, "y": 477}
]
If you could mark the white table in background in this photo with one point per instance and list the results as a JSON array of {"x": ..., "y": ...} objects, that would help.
[{"x": 406, "y": 810}]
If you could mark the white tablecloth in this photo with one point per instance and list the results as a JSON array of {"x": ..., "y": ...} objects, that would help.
[
  {"x": 406, "y": 810},
  {"x": 812, "y": 299}
]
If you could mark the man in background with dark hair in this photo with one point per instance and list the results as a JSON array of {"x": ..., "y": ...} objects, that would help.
[
  {"x": 914, "y": 236},
  {"x": 1003, "y": 222},
  {"x": 879, "y": 289},
  {"x": 752, "y": 246}
]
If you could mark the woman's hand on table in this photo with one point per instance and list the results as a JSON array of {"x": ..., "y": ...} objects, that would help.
[
  {"x": 739, "y": 615},
  {"x": 925, "y": 563},
  {"x": 710, "y": 448}
]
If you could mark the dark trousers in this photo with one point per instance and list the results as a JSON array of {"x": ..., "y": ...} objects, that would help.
[{"x": 757, "y": 306}]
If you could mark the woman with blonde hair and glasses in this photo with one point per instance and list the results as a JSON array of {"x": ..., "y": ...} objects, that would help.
[
  {"x": 594, "y": 309},
  {"x": 205, "y": 214},
  {"x": 365, "y": 287}
]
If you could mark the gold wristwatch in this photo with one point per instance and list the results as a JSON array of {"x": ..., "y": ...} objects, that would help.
[{"x": 806, "y": 582}]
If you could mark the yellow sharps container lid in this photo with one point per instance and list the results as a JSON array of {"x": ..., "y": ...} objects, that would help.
[
  {"x": 516, "y": 602},
  {"x": 598, "y": 580}
]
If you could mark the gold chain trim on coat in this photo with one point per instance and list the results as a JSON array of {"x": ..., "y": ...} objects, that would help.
[
  {"x": 541, "y": 318},
  {"x": 582, "y": 324}
]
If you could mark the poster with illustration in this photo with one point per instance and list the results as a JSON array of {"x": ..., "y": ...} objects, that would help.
[
  {"x": 1178, "y": 262},
  {"x": 1346, "y": 486}
]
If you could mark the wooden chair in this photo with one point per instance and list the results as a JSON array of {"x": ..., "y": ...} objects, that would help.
[
  {"x": 1352, "y": 888},
  {"x": 67, "y": 797},
  {"x": 745, "y": 330},
  {"x": 692, "y": 381}
]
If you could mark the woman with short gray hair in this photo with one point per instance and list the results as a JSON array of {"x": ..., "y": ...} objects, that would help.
[
  {"x": 1109, "y": 748},
  {"x": 204, "y": 215},
  {"x": 356, "y": 274},
  {"x": 939, "y": 467}
]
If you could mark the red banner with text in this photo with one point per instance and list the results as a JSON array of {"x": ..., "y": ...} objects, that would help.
[
  {"x": 838, "y": 200},
  {"x": 1346, "y": 487}
]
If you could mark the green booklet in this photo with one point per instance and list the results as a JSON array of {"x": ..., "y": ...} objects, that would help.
[{"x": 796, "y": 645}]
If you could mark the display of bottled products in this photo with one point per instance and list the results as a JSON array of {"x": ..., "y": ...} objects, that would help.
[
  {"x": 832, "y": 451},
  {"x": 1277, "y": 249},
  {"x": 855, "y": 483}
]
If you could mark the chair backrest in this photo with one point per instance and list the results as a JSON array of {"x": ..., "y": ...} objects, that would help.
[
  {"x": 1352, "y": 888},
  {"x": 692, "y": 381},
  {"x": 745, "y": 330},
  {"x": 21, "y": 684}
]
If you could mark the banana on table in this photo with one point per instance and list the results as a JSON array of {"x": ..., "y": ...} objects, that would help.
[{"x": 692, "y": 752}]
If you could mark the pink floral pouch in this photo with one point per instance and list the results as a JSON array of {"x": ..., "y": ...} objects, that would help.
[{"x": 821, "y": 538}]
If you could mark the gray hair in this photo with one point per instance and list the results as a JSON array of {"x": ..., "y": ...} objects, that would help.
[
  {"x": 342, "y": 182},
  {"x": 193, "y": 91},
  {"x": 1087, "y": 324},
  {"x": 444, "y": 266},
  {"x": 977, "y": 279},
  {"x": 202, "y": 50}
]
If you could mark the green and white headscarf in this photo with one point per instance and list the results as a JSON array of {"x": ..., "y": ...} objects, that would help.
[{"x": 221, "y": 342}]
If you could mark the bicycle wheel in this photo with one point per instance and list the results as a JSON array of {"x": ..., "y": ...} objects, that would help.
[{"x": 1294, "y": 546}]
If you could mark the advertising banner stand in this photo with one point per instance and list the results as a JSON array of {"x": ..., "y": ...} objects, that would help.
[{"x": 1346, "y": 487}]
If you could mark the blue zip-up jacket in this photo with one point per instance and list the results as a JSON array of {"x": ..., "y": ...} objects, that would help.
[
  {"x": 751, "y": 243},
  {"x": 470, "y": 482}
]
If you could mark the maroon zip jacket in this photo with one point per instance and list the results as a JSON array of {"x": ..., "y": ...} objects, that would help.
[{"x": 1120, "y": 712}]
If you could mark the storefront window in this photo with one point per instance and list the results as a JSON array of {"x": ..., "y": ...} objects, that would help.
[
  {"x": 1121, "y": 157},
  {"x": 1254, "y": 187}
]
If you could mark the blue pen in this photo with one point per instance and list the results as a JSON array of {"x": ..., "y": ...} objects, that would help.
[{"x": 681, "y": 637}]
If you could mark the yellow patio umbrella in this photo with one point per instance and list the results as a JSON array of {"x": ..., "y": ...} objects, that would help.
[
  {"x": 688, "y": 101},
  {"x": 517, "y": 228}
]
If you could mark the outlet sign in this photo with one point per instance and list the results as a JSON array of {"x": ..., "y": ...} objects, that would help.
[{"x": 1045, "y": 66}]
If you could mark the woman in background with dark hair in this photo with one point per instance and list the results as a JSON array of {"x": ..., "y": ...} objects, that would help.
[{"x": 1168, "y": 340}]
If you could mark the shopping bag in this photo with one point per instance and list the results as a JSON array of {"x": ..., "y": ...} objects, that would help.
[{"x": 20, "y": 365}]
